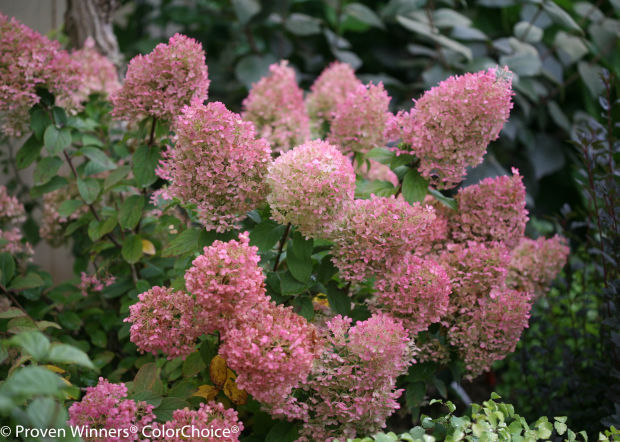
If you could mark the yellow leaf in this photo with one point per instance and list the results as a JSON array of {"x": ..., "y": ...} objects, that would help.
[
  {"x": 147, "y": 247},
  {"x": 207, "y": 391},
  {"x": 234, "y": 393},
  {"x": 321, "y": 298},
  {"x": 218, "y": 371},
  {"x": 55, "y": 369}
]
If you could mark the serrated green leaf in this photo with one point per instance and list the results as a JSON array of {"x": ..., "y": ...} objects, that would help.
[
  {"x": 89, "y": 189},
  {"x": 339, "y": 300},
  {"x": 364, "y": 14},
  {"x": 99, "y": 157},
  {"x": 298, "y": 257},
  {"x": 68, "y": 207},
  {"x": 132, "y": 249},
  {"x": 56, "y": 140},
  {"x": 34, "y": 343},
  {"x": 414, "y": 186},
  {"x": 28, "y": 281},
  {"x": 67, "y": 354},
  {"x": 32, "y": 381},
  {"x": 144, "y": 162},
  {"x": 29, "y": 152},
  {"x": 54, "y": 184},
  {"x": 446, "y": 201},
  {"x": 115, "y": 176},
  {"x": 39, "y": 120},
  {"x": 46, "y": 169},
  {"x": 131, "y": 211},
  {"x": 266, "y": 235},
  {"x": 7, "y": 268}
]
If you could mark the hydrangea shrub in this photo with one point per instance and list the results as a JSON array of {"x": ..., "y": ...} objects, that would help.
[{"x": 292, "y": 262}]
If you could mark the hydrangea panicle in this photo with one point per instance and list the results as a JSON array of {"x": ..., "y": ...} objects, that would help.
[
  {"x": 535, "y": 263},
  {"x": 415, "y": 291},
  {"x": 271, "y": 349},
  {"x": 164, "y": 319},
  {"x": 276, "y": 107},
  {"x": 376, "y": 233},
  {"x": 11, "y": 210},
  {"x": 217, "y": 164},
  {"x": 310, "y": 186},
  {"x": 327, "y": 92},
  {"x": 94, "y": 283},
  {"x": 160, "y": 83},
  {"x": 490, "y": 330},
  {"x": 492, "y": 210},
  {"x": 29, "y": 60},
  {"x": 452, "y": 124},
  {"x": 226, "y": 282},
  {"x": 359, "y": 122},
  {"x": 98, "y": 73},
  {"x": 105, "y": 407},
  {"x": 209, "y": 416}
]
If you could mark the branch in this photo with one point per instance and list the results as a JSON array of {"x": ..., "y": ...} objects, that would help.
[{"x": 282, "y": 242}]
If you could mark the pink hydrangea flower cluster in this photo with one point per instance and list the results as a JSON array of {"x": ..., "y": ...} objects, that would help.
[
  {"x": 474, "y": 270},
  {"x": 310, "y": 186},
  {"x": 271, "y": 348},
  {"x": 216, "y": 164},
  {"x": 329, "y": 90},
  {"x": 164, "y": 319},
  {"x": 451, "y": 125},
  {"x": 11, "y": 210},
  {"x": 432, "y": 350},
  {"x": 160, "y": 83},
  {"x": 491, "y": 330},
  {"x": 535, "y": 263},
  {"x": 94, "y": 283},
  {"x": 415, "y": 291},
  {"x": 352, "y": 388},
  {"x": 377, "y": 233},
  {"x": 359, "y": 122},
  {"x": 276, "y": 106},
  {"x": 29, "y": 60},
  {"x": 99, "y": 74},
  {"x": 105, "y": 407},
  {"x": 209, "y": 416},
  {"x": 226, "y": 282},
  {"x": 11, "y": 241},
  {"x": 492, "y": 210}
]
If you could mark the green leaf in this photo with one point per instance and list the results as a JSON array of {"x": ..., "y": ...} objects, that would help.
[
  {"x": 560, "y": 16},
  {"x": 290, "y": 285},
  {"x": 115, "y": 176},
  {"x": 186, "y": 241},
  {"x": 46, "y": 169},
  {"x": 147, "y": 379},
  {"x": 132, "y": 248},
  {"x": 54, "y": 184},
  {"x": 338, "y": 299},
  {"x": 32, "y": 381},
  {"x": 266, "y": 235},
  {"x": 145, "y": 160},
  {"x": 591, "y": 76},
  {"x": 528, "y": 32},
  {"x": 425, "y": 30},
  {"x": 32, "y": 342},
  {"x": 364, "y": 14},
  {"x": 252, "y": 68},
  {"x": 60, "y": 116},
  {"x": 68, "y": 207},
  {"x": 67, "y": 354},
  {"x": 43, "y": 410},
  {"x": 28, "y": 152},
  {"x": 131, "y": 211},
  {"x": 381, "y": 155},
  {"x": 299, "y": 257},
  {"x": 39, "y": 120},
  {"x": 69, "y": 320},
  {"x": 193, "y": 365},
  {"x": 99, "y": 157},
  {"x": 414, "y": 186},
  {"x": 441, "y": 387},
  {"x": 282, "y": 432},
  {"x": 446, "y": 201},
  {"x": 167, "y": 407},
  {"x": 246, "y": 9},
  {"x": 89, "y": 189},
  {"x": 12, "y": 313},
  {"x": 7, "y": 268},
  {"x": 29, "y": 281},
  {"x": 363, "y": 189},
  {"x": 415, "y": 394},
  {"x": 56, "y": 140},
  {"x": 560, "y": 427},
  {"x": 303, "y": 25}
]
